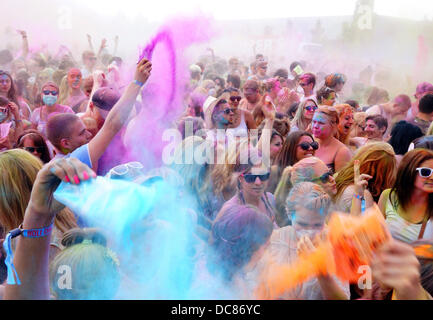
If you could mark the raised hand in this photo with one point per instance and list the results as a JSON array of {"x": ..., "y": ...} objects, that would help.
[
  {"x": 268, "y": 108},
  {"x": 360, "y": 180},
  {"x": 143, "y": 70},
  {"x": 70, "y": 170},
  {"x": 396, "y": 266}
]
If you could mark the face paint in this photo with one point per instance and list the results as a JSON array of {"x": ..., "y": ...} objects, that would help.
[{"x": 319, "y": 117}]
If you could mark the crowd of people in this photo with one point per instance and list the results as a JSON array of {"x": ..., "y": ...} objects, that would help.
[{"x": 64, "y": 120}]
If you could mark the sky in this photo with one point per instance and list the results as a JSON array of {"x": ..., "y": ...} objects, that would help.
[{"x": 254, "y": 9}]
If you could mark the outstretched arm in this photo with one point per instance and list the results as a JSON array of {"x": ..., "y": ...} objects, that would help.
[
  {"x": 120, "y": 112},
  {"x": 25, "y": 45}
]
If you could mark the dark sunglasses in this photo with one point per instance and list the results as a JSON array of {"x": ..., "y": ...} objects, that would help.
[
  {"x": 303, "y": 84},
  {"x": 324, "y": 178},
  {"x": 235, "y": 98},
  {"x": 4, "y": 109},
  {"x": 306, "y": 146},
  {"x": 228, "y": 110},
  {"x": 310, "y": 108},
  {"x": 33, "y": 149},
  {"x": 47, "y": 92},
  {"x": 424, "y": 172},
  {"x": 250, "y": 178}
]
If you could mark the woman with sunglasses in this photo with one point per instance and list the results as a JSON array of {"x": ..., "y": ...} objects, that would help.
[
  {"x": 408, "y": 205},
  {"x": 331, "y": 151},
  {"x": 297, "y": 146},
  {"x": 32, "y": 141},
  {"x": 50, "y": 107},
  {"x": 304, "y": 116},
  {"x": 252, "y": 181},
  {"x": 309, "y": 169},
  {"x": 365, "y": 177}
]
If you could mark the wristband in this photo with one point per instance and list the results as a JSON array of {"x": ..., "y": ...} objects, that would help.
[
  {"x": 357, "y": 196},
  {"x": 31, "y": 233},
  {"x": 138, "y": 83}
]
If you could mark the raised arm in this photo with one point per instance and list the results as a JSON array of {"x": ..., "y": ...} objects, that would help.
[
  {"x": 32, "y": 254},
  {"x": 120, "y": 112},
  {"x": 25, "y": 44}
]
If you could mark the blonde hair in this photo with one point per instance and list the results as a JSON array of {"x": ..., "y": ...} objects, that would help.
[
  {"x": 299, "y": 119},
  {"x": 302, "y": 171},
  {"x": 19, "y": 169},
  {"x": 63, "y": 90},
  {"x": 94, "y": 267}
]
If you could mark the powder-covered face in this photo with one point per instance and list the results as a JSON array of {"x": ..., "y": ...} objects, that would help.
[
  {"x": 346, "y": 122},
  {"x": 5, "y": 83},
  {"x": 321, "y": 126},
  {"x": 307, "y": 222},
  {"x": 330, "y": 100},
  {"x": 74, "y": 78}
]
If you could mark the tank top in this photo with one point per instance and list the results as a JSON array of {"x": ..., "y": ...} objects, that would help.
[
  {"x": 241, "y": 130},
  {"x": 404, "y": 230}
]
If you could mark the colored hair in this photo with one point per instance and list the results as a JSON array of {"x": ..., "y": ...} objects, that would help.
[
  {"x": 334, "y": 79},
  {"x": 323, "y": 94},
  {"x": 375, "y": 159},
  {"x": 236, "y": 235},
  {"x": 343, "y": 110},
  {"x": 310, "y": 196}
]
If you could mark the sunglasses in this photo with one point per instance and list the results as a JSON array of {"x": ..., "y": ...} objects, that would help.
[
  {"x": 4, "y": 109},
  {"x": 424, "y": 172},
  {"x": 235, "y": 98},
  {"x": 324, "y": 178},
  {"x": 123, "y": 169},
  {"x": 228, "y": 110},
  {"x": 33, "y": 149},
  {"x": 306, "y": 146},
  {"x": 310, "y": 108},
  {"x": 250, "y": 178},
  {"x": 303, "y": 84},
  {"x": 47, "y": 92}
]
